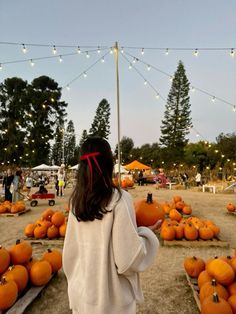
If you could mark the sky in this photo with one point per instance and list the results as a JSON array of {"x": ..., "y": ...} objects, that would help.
[{"x": 147, "y": 24}]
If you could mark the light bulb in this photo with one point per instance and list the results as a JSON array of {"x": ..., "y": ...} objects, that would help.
[
  {"x": 196, "y": 52},
  {"x": 193, "y": 89},
  {"x": 85, "y": 74},
  {"x": 111, "y": 50},
  {"x": 167, "y": 51},
  {"x": 134, "y": 60},
  {"x": 87, "y": 55},
  {"x": 99, "y": 50},
  {"x": 122, "y": 50},
  {"x": 234, "y": 109},
  {"x": 157, "y": 96},
  {"x": 78, "y": 50},
  {"x": 213, "y": 99},
  {"x": 197, "y": 135},
  {"x": 148, "y": 67},
  {"x": 102, "y": 60},
  {"x": 68, "y": 87},
  {"x": 145, "y": 82},
  {"x": 171, "y": 78},
  {"x": 0, "y": 66},
  {"x": 31, "y": 62},
  {"x": 130, "y": 66},
  {"x": 142, "y": 51},
  {"x": 60, "y": 59},
  {"x": 24, "y": 49},
  {"x": 54, "y": 50},
  {"x": 232, "y": 52}
]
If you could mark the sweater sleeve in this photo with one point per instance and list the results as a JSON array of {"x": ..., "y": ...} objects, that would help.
[{"x": 134, "y": 248}]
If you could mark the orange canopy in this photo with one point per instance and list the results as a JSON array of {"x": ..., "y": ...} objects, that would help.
[{"x": 136, "y": 165}]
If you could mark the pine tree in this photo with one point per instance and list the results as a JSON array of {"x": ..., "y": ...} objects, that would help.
[
  {"x": 101, "y": 126},
  {"x": 177, "y": 121},
  {"x": 56, "y": 154},
  {"x": 69, "y": 143},
  {"x": 83, "y": 138}
]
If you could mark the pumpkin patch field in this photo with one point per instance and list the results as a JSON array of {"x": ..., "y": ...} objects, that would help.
[{"x": 165, "y": 286}]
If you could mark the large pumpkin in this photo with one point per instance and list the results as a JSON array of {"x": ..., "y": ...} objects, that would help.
[
  {"x": 215, "y": 304},
  {"x": 8, "y": 293},
  {"x": 4, "y": 259},
  {"x": 221, "y": 271},
  {"x": 19, "y": 274},
  {"x": 40, "y": 273},
  {"x": 54, "y": 257},
  {"x": 203, "y": 278},
  {"x": 148, "y": 212},
  {"x": 21, "y": 252},
  {"x": 210, "y": 287}
]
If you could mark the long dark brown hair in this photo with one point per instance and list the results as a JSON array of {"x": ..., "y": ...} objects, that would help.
[{"x": 91, "y": 197}]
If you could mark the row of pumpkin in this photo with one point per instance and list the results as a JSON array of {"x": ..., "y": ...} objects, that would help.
[
  {"x": 8, "y": 207},
  {"x": 216, "y": 279},
  {"x": 19, "y": 270}
]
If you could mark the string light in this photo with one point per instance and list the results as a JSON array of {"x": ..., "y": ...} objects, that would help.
[
  {"x": 130, "y": 66},
  {"x": 0, "y": 66},
  {"x": 232, "y": 52},
  {"x": 192, "y": 89},
  {"x": 111, "y": 50},
  {"x": 213, "y": 99},
  {"x": 24, "y": 49},
  {"x": 142, "y": 51},
  {"x": 234, "y": 109},
  {"x": 78, "y": 50},
  {"x": 32, "y": 62},
  {"x": 145, "y": 82},
  {"x": 60, "y": 59},
  {"x": 148, "y": 67},
  {"x": 68, "y": 87},
  {"x": 167, "y": 51},
  {"x": 54, "y": 50},
  {"x": 87, "y": 55},
  {"x": 171, "y": 78},
  {"x": 103, "y": 60},
  {"x": 157, "y": 96},
  {"x": 134, "y": 60},
  {"x": 196, "y": 52},
  {"x": 85, "y": 74},
  {"x": 122, "y": 50},
  {"x": 98, "y": 50}
]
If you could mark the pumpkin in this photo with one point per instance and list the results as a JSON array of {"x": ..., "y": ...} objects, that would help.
[
  {"x": 40, "y": 231},
  {"x": 210, "y": 287},
  {"x": 179, "y": 231},
  {"x": 177, "y": 198},
  {"x": 14, "y": 209},
  {"x": 3, "y": 209},
  {"x": 58, "y": 219},
  {"x": 232, "y": 302},
  {"x": 168, "y": 232},
  {"x": 221, "y": 271},
  {"x": 47, "y": 214},
  {"x": 232, "y": 288},
  {"x": 148, "y": 212},
  {"x": 21, "y": 252},
  {"x": 187, "y": 210},
  {"x": 62, "y": 230},
  {"x": 175, "y": 215},
  {"x": 230, "y": 207},
  {"x": 205, "y": 233},
  {"x": 40, "y": 273},
  {"x": 29, "y": 264},
  {"x": 194, "y": 266},
  {"x": 228, "y": 259},
  {"x": 19, "y": 274},
  {"x": 166, "y": 208},
  {"x": 54, "y": 257},
  {"x": 52, "y": 232},
  {"x": 45, "y": 223},
  {"x": 203, "y": 278},
  {"x": 215, "y": 304},
  {"x": 233, "y": 263},
  {"x": 8, "y": 293},
  {"x": 190, "y": 232},
  {"x": 215, "y": 229},
  {"x": 179, "y": 205},
  {"x": 29, "y": 230},
  {"x": 4, "y": 259}
]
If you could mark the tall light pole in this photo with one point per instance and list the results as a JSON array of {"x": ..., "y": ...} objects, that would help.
[
  {"x": 118, "y": 106},
  {"x": 63, "y": 146}
]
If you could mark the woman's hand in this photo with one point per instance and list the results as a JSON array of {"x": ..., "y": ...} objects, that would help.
[{"x": 156, "y": 226}]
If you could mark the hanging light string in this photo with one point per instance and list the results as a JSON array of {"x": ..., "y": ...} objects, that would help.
[
  {"x": 52, "y": 45},
  {"x": 199, "y": 134},
  {"x": 52, "y": 57},
  {"x": 146, "y": 82},
  {"x": 213, "y": 97},
  {"x": 84, "y": 73}
]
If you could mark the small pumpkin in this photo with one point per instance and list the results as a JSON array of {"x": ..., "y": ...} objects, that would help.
[
  {"x": 4, "y": 259},
  {"x": 205, "y": 233},
  {"x": 177, "y": 198},
  {"x": 54, "y": 257},
  {"x": 148, "y": 211},
  {"x": 168, "y": 232},
  {"x": 231, "y": 207},
  {"x": 179, "y": 231},
  {"x": 52, "y": 232},
  {"x": 210, "y": 287},
  {"x": 194, "y": 266},
  {"x": 190, "y": 232},
  {"x": 232, "y": 302},
  {"x": 40, "y": 273},
  {"x": 19, "y": 274},
  {"x": 215, "y": 304},
  {"x": 29, "y": 230},
  {"x": 232, "y": 288},
  {"x": 175, "y": 215},
  {"x": 221, "y": 271},
  {"x": 203, "y": 278},
  {"x": 187, "y": 210},
  {"x": 8, "y": 293},
  {"x": 40, "y": 231},
  {"x": 47, "y": 214},
  {"x": 62, "y": 230},
  {"x": 21, "y": 252},
  {"x": 58, "y": 219}
]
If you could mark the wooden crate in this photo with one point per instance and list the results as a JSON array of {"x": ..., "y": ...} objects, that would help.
[
  {"x": 194, "y": 287},
  {"x": 197, "y": 243},
  {"x": 231, "y": 213},
  {"x": 15, "y": 214},
  {"x": 26, "y": 299},
  {"x": 48, "y": 242}
]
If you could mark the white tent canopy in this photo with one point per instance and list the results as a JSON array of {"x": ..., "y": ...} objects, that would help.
[
  {"x": 75, "y": 167},
  {"x": 122, "y": 169},
  {"x": 44, "y": 167}
]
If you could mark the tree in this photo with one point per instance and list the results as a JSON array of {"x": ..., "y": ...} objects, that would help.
[
  {"x": 126, "y": 146},
  {"x": 83, "y": 138},
  {"x": 101, "y": 125},
  {"x": 226, "y": 144},
  {"x": 56, "y": 154},
  {"x": 177, "y": 121},
  {"x": 69, "y": 143}
]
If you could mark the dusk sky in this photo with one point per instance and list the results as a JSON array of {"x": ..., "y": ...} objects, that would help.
[{"x": 147, "y": 24}]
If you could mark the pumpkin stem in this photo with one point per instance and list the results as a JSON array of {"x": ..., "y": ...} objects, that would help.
[
  {"x": 229, "y": 257},
  {"x": 49, "y": 251},
  {"x": 18, "y": 241},
  {"x": 215, "y": 298},
  {"x": 195, "y": 258},
  {"x": 214, "y": 283},
  {"x": 3, "y": 281},
  {"x": 149, "y": 198}
]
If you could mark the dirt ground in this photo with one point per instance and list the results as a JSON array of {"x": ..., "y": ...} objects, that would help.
[{"x": 165, "y": 287}]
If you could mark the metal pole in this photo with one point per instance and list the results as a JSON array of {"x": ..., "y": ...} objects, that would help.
[
  {"x": 118, "y": 108},
  {"x": 63, "y": 145}
]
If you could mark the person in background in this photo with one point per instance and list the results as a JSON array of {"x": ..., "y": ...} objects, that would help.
[
  {"x": 61, "y": 179},
  {"x": 7, "y": 181},
  {"x": 104, "y": 250},
  {"x": 140, "y": 177},
  {"x": 29, "y": 182},
  {"x": 17, "y": 185},
  {"x": 198, "y": 178},
  {"x": 56, "y": 184}
]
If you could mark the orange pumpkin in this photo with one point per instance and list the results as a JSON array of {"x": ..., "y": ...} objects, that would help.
[
  {"x": 21, "y": 252},
  {"x": 179, "y": 231},
  {"x": 210, "y": 287},
  {"x": 52, "y": 232},
  {"x": 40, "y": 231},
  {"x": 232, "y": 302},
  {"x": 205, "y": 233},
  {"x": 194, "y": 266},
  {"x": 168, "y": 232},
  {"x": 187, "y": 210},
  {"x": 231, "y": 207},
  {"x": 2, "y": 209},
  {"x": 29, "y": 264},
  {"x": 40, "y": 273},
  {"x": 29, "y": 230},
  {"x": 215, "y": 304},
  {"x": 179, "y": 205},
  {"x": 62, "y": 230},
  {"x": 232, "y": 288},
  {"x": 215, "y": 229},
  {"x": 4, "y": 259},
  {"x": 221, "y": 271},
  {"x": 203, "y": 278},
  {"x": 8, "y": 293},
  {"x": 177, "y": 198},
  {"x": 233, "y": 263},
  {"x": 54, "y": 257},
  {"x": 19, "y": 274},
  {"x": 47, "y": 214},
  {"x": 228, "y": 259},
  {"x": 148, "y": 212},
  {"x": 190, "y": 232},
  {"x": 175, "y": 215},
  {"x": 58, "y": 219}
]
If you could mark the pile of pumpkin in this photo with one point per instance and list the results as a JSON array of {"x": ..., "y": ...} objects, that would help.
[
  {"x": 176, "y": 205},
  {"x": 125, "y": 183},
  {"x": 231, "y": 207},
  {"x": 51, "y": 225},
  {"x": 191, "y": 228},
  {"x": 216, "y": 281},
  {"x": 8, "y": 207},
  {"x": 19, "y": 270}
]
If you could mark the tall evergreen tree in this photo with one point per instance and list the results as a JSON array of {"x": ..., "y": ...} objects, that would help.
[
  {"x": 177, "y": 121},
  {"x": 83, "y": 138},
  {"x": 69, "y": 143},
  {"x": 56, "y": 154},
  {"x": 101, "y": 125}
]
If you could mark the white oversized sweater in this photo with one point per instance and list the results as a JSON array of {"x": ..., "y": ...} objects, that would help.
[{"x": 102, "y": 260}]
